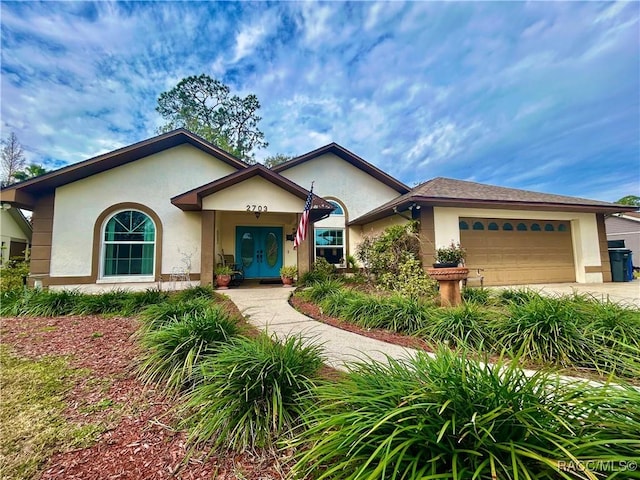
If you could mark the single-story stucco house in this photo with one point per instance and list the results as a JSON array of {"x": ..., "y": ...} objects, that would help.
[
  {"x": 15, "y": 234},
  {"x": 132, "y": 215}
]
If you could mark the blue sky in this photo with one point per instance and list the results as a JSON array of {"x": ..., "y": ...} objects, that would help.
[{"x": 543, "y": 96}]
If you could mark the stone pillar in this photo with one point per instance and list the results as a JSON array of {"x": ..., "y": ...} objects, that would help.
[
  {"x": 304, "y": 250},
  {"x": 427, "y": 237}
]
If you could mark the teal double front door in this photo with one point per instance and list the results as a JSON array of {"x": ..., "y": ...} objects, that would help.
[{"x": 259, "y": 250}]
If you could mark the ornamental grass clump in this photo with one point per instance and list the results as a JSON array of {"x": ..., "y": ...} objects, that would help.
[
  {"x": 545, "y": 330},
  {"x": 468, "y": 324},
  {"x": 479, "y": 296},
  {"x": 318, "y": 291},
  {"x": 340, "y": 301},
  {"x": 107, "y": 303},
  {"x": 253, "y": 392},
  {"x": 173, "y": 352},
  {"x": 158, "y": 315},
  {"x": 194, "y": 293},
  {"x": 452, "y": 417},
  {"x": 40, "y": 303}
]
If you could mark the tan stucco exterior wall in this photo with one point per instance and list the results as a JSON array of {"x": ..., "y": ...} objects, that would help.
[
  {"x": 584, "y": 228},
  {"x": 254, "y": 191},
  {"x": 336, "y": 178},
  {"x": 150, "y": 181}
]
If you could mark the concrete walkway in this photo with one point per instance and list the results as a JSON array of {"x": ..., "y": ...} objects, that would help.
[{"x": 268, "y": 309}]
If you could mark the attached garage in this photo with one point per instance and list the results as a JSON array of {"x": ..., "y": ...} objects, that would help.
[{"x": 519, "y": 251}]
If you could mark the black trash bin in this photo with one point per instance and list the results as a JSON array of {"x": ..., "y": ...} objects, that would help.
[{"x": 619, "y": 258}]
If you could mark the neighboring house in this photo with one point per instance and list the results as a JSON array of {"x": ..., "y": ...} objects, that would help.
[
  {"x": 132, "y": 214},
  {"x": 625, "y": 227},
  {"x": 15, "y": 233}
]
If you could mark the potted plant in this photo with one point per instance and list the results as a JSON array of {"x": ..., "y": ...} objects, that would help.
[
  {"x": 450, "y": 256},
  {"x": 448, "y": 273},
  {"x": 288, "y": 274},
  {"x": 223, "y": 276}
]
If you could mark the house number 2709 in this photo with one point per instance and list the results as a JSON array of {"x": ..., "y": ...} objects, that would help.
[{"x": 256, "y": 208}]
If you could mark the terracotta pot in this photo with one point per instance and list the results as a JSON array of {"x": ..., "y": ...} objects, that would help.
[
  {"x": 223, "y": 281},
  {"x": 448, "y": 274},
  {"x": 287, "y": 281}
]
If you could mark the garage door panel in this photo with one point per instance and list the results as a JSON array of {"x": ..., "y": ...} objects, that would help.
[{"x": 519, "y": 256}]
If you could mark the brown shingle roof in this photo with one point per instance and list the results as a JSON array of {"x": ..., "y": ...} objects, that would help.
[{"x": 459, "y": 193}]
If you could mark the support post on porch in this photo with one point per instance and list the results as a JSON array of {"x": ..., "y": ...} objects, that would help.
[
  {"x": 208, "y": 247},
  {"x": 304, "y": 251}
]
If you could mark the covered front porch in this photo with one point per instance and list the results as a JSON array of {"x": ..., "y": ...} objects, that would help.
[{"x": 250, "y": 218}]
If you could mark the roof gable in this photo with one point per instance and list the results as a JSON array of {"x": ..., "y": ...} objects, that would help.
[
  {"x": 22, "y": 193},
  {"x": 192, "y": 200},
  {"x": 349, "y": 157}
]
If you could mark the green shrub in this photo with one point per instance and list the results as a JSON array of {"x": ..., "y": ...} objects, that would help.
[
  {"x": 32, "y": 302},
  {"x": 194, "y": 293},
  {"x": 367, "y": 311},
  {"x": 408, "y": 279},
  {"x": 456, "y": 418},
  {"x": 480, "y": 296},
  {"x": 158, "y": 315},
  {"x": 518, "y": 296},
  {"x": 544, "y": 330},
  {"x": 137, "y": 301},
  {"x": 12, "y": 274},
  {"x": 467, "y": 324},
  {"x": 338, "y": 301},
  {"x": 320, "y": 290},
  {"x": 111, "y": 302},
  {"x": 253, "y": 392},
  {"x": 321, "y": 271},
  {"x": 383, "y": 254},
  {"x": 42, "y": 303},
  {"x": 172, "y": 352}
]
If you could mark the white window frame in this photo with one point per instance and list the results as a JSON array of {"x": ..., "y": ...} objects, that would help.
[
  {"x": 335, "y": 221},
  {"x": 102, "y": 278}
]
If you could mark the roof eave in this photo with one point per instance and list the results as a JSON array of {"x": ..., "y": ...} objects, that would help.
[
  {"x": 391, "y": 208},
  {"x": 107, "y": 161}
]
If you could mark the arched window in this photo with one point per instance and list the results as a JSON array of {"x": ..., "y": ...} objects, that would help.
[
  {"x": 338, "y": 211},
  {"x": 535, "y": 227},
  {"x": 548, "y": 228},
  {"x": 521, "y": 227},
  {"x": 128, "y": 245},
  {"x": 478, "y": 226},
  {"x": 507, "y": 226},
  {"x": 562, "y": 227},
  {"x": 463, "y": 225},
  {"x": 493, "y": 226}
]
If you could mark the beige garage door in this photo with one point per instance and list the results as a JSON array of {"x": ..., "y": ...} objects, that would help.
[{"x": 513, "y": 252}]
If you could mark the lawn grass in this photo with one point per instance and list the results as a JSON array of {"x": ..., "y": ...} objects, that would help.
[{"x": 32, "y": 424}]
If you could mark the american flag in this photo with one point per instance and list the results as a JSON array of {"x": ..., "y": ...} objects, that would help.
[{"x": 301, "y": 233}]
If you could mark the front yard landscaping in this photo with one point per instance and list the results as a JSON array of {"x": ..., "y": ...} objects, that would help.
[{"x": 178, "y": 385}]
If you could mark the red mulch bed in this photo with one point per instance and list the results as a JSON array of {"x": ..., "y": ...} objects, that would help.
[
  {"x": 312, "y": 310},
  {"x": 139, "y": 441}
]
